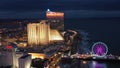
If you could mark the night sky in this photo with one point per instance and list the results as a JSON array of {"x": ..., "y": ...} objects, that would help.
[{"x": 72, "y": 8}]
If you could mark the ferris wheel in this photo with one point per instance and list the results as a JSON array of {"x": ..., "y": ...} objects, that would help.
[{"x": 100, "y": 49}]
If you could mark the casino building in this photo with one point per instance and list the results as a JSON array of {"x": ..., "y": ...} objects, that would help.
[
  {"x": 38, "y": 33},
  {"x": 42, "y": 34},
  {"x": 56, "y": 20}
]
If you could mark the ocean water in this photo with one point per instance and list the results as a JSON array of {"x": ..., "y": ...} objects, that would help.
[
  {"x": 106, "y": 30},
  {"x": 90, "y": 64}
]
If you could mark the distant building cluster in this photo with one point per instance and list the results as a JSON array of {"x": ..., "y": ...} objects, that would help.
[
  {"x": 42, "y": 32},
  {"x": 12, "y": 59}
]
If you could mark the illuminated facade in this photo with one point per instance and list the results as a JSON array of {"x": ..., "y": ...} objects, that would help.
[
  {"x": 38, "y": 33},
  {"x": 25, "y": 61},
  {"x": 55, "y": 36},
  {"x": 37, "y": 55},
  {"x": 56, "y": 20},
  {"x": 41, "y": 34}
]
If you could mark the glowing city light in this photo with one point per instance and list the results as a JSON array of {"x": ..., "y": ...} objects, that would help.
[
  {"x": 84, "y": 62},
  {"x": 55, "y": 35},
  {"x": 37, "y": 55},
  {"x": 48, "y": 10},
  {"x": 9, "y": 47},
  {"x": 54, "y": 14}
]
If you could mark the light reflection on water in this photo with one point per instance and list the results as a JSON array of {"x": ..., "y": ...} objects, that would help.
[
  {"x": 86, "y": 64},
  {"x": 98, "y": 65},
  {"x": 92, "y": 64}
]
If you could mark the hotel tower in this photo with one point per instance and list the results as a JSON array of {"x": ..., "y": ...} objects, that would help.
[
  {"x": 38, "y": 33},
  {"x": 56, "y": 20}
]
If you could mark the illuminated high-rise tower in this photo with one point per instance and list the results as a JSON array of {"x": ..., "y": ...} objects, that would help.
[
  {"x": 56, "y": 20},
  {"x": 38, "y": 33},
  {"x": 41, "y": 34}
]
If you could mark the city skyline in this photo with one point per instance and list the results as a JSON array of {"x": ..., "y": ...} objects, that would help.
[{"x": 60, "y": 34}]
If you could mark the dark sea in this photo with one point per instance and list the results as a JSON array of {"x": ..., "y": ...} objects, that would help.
[
  {"x": 90, "y": 64},
  {"x": 106, "y": 30}
]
